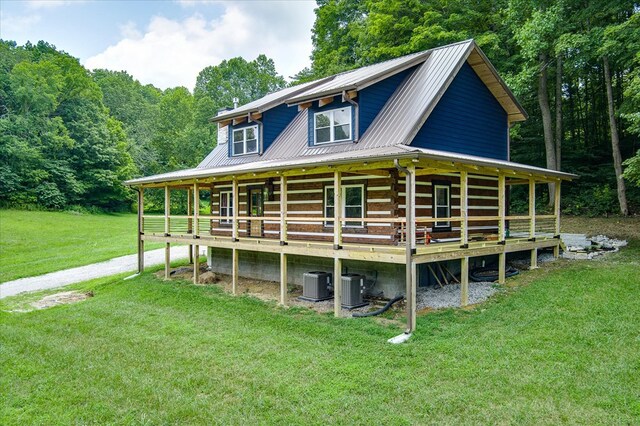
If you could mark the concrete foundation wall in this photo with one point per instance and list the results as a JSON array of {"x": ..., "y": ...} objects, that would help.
[
  {"x": 385, "y": 278},
  {"x": 266, "y": 266}
]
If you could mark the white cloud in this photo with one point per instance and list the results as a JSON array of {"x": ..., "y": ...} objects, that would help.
[
  {"x": 171, "y": 53},
  {"x": 49, "y": 4},
  {"x": 17, "y": 24}
]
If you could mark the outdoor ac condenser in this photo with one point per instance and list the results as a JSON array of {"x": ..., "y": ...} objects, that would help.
[
  {"x": 315, "y": 286},
  {"x": 352, "y": 291}
]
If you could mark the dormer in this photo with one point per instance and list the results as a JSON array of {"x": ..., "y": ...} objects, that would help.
[{"x": 251, "y": 128}]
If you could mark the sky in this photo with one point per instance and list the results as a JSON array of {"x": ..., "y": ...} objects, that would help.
[{"x": 165, "y": 43}]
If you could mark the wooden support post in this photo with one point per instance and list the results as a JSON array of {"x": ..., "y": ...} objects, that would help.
[
  {"x": 190, "y": 222},
  {"x": 234, "y": 271},
  {"x": 337, "y": 287},
  {"x": 337, "y": 210},
  {"x": 196, "y": 210},
  {"x": 502, "y": 212},
  {"x": 502, "y": 266},
  {"x": 464, "y": 281},
  {"x": 532, "y": 220},
  {"x": 235, "y": 203},
  {"x": 167, "y": 229},
  {"x": 196, "y": 264},
  {"x": 464, "y": 208},
  {"x": 140, "y": 230},
  {"x": 532, "y": 208},
  {"x": 283, "y": 279},
  {"x": 283, "y": 210},
  {"x": 167, "y": 261},
  {"x": 556, "y": 204},
  {"x": 167, "y": 210},
  {"x": 410, "y": 266}
]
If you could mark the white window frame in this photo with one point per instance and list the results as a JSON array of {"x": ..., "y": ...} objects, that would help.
[
  {"x": 228, "y": 208},
  {"x": 244, "y": 141},
  {"x": 332, "y": 138},
  {"x": 343, "y": 197},
  {"x": 436, "y": 204}
]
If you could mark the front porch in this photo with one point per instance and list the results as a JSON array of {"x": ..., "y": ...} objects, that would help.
[{"x": 410, "y": 235}]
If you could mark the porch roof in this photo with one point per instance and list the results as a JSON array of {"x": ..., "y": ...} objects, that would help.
[{"x": 350, "y": 157}]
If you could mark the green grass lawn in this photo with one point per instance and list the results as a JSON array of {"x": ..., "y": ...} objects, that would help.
[
  {"x": 36, "y": 242},
  {"x": 561, "y": 345}
]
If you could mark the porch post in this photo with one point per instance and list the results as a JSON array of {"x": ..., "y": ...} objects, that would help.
[
  {"x": 234, "y": 270},
  {"x": 556, "y": 204},
  {"x": 464, "y": 223},
  {"x": 337, "y": 243},
  {"x": 283, "y": 279},
  {"x": 532, "y": 221},
  {"x": 196, "y": 233},
  {"x": 464, "y": 281},
  {"x": 234, "y": 236},
  {"x": 502, "y": 258},
  {"x": 190, "y": 222},
  {"x": 410, "y": 267},
  {"x": 283, "y": 210},
  {"x": 140, "y": 230},
  {"x": 235, "y": 203},
  {"x": 283, "y": 240},
  {"x": 167, "y": 228}
]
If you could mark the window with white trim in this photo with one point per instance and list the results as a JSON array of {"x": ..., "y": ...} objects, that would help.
[
  {"x": 332, "y": 126},
  {"x": 226, "y": 207},
  {"x": 245, "y": 140},
  {"x": 442, "y": 204},
  {"x": 352, "y": 204}
]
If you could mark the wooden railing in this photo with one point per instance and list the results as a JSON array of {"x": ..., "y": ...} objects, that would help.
[{"x": 202, "y": 225}]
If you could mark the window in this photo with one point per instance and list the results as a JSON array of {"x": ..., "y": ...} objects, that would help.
[
  {"x": 245, "y": 140},
  {"x": 352, "y": 204},
  {"x": 442, "y": 204},
  {"x": 226, "y": 207},
  {"x": 332, "y": 126}
]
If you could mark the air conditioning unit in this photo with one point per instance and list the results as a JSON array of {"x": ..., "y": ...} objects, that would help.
[
  {"x": 352, "y": 291},
  {"x": 315, "y": 286}
]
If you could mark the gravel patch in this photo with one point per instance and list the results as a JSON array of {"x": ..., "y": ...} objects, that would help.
[{"x": 449, "y": 295}]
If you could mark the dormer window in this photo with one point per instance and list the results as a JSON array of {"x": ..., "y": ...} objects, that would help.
[
  {"x": 245, "y": 140},
  {"x": 332, "y": 126}
]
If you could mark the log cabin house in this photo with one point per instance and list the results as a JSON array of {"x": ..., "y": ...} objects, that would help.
[{"x": 385, "y": 170}]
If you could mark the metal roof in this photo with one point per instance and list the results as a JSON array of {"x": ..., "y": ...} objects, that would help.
[
  {"x": 220, "y": 157},
  {"x": 389, "y": 134},
  {"x": 408, "y": 108},
  {"x": 382, "y": 153},
  {"x": 266, "y": 102},
  {"x": 360, "y": 77}
]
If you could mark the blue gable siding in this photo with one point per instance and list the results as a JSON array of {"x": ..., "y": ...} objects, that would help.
[
  {"x": 371, "y": 99},
  {"x": 274, "y": 122},
  {"x": 468, "y": 119}
]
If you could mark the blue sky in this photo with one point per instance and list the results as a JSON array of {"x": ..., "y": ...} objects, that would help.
[{"x": 165, "y": 43}]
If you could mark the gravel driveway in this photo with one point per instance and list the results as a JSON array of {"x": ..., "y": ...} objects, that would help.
[{"x": 113, "y": 266}]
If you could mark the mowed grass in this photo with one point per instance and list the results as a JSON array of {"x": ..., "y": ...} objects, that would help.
[
  {"x": 36, "y": 242},
  {"x": 560, "y": 345}
]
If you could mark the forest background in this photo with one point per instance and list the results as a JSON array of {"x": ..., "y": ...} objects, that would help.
[{"x": 70, "y": 136}]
